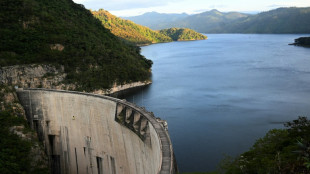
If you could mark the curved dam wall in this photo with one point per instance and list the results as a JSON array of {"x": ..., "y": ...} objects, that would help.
[{"x": 88, "y": 133}]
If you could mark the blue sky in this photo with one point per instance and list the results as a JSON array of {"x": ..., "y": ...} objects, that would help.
[{"x": 137, "y": 7}]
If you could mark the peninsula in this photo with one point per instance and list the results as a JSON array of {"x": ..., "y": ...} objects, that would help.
[
  {"x": 141, "y": 35},
  {"x": 302, "y": 41}
]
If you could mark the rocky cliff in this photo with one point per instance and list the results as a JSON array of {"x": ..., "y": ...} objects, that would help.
[
  {"x": 34, "y": 75},
  {"x": 49, "y": 77}
]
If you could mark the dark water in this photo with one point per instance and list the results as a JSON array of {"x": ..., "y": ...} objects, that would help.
[{"x": 220, "y": 95}]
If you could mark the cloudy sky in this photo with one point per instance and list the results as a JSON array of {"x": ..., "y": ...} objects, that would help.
[{"x": 137, "y": 7}]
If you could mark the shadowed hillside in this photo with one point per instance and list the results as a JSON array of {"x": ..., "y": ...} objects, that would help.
[{"x": 64, "y": 33}]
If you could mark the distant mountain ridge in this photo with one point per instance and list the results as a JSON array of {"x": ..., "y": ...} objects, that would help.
[
  {"x": 157, "y": 21},
  {"x": 210, "y": 21},
  {"x": 281, "y": 20}
]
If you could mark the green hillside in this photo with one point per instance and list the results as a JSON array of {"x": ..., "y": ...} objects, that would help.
[
  {"x": 279, "y": 151},
  {"x": 128, "y": 30},
  {"x": 182, "y": 34},
  {"x": 61, "y": 32}
]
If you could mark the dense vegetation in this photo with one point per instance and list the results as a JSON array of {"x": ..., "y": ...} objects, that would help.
[
  {"x": 64, "y": 33},
  {"x": 138, "y": 34},
  {"x": 181, "y": 34},
  {"x": 280, "y": 151},
  {"x": 302, "y": 41},
  {"x": 281, "y": 20},
  {"x": 15, "y": 152},
  {"x": 128, "y": 30}
]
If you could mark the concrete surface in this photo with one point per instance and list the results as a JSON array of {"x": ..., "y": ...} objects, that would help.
[{"x": 88, "y": 133}]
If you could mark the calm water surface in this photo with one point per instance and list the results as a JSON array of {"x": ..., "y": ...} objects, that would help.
[{"x": 220, "y": 95}]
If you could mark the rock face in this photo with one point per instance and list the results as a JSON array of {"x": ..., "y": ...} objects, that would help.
[
  {"x": 116, "y": 88},
  {"x": 31, "y": 76},
  {"x": 49, "y": 77}
]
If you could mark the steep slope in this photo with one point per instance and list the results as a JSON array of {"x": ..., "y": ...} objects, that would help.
[
  {"x": 183, "y": 34},
  {"x": 62, "y": 33},
  {"x": 128, "y": 30},
  {"x": 157, "y": 21},
  {"x": 141, "y": 35},
  {"x": 281, "y": 20}
]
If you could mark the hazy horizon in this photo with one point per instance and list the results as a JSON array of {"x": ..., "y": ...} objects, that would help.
[{"x": 127, "y": 8}]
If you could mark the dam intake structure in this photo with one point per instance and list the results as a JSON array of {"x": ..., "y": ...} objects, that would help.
[{"x": 89, "y": 133}]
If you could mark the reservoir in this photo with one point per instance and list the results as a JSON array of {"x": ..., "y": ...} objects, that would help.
[{"x": 220, "y": 95}]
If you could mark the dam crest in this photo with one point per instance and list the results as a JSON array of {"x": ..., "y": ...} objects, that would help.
[{"x": 89, "y": 133}]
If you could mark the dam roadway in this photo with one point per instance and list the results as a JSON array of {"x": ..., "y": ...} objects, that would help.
[{"x": 89, "y": 133}]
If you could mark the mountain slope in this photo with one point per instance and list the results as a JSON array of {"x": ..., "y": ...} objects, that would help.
[
  {"x": 281, "y": 20},
  {"x": 182, "y": 34},
  {"x": 128, "y": 30},
  {"x": 211, "y": 21},
  {"x": 141, "y": 35},
  {"x": 60, "y": 32}
]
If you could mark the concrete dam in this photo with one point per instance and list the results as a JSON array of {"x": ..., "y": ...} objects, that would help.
[{"x": 95, "y": 134}]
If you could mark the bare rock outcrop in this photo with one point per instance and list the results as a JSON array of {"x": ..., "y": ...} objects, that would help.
[
  {"x": 34, "y": 76},
  {"x": 50, "y": 77}
]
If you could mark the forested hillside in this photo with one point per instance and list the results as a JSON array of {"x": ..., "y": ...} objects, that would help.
[
  {"x": 128, "y": 30},
  {"x": 183, "y": 34},
  {"x": 279, "y": 151},
  {"x": 60, "y": 32},
  {"x": 281, "y": 20},
  {"x": 141, "y": 35}
]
